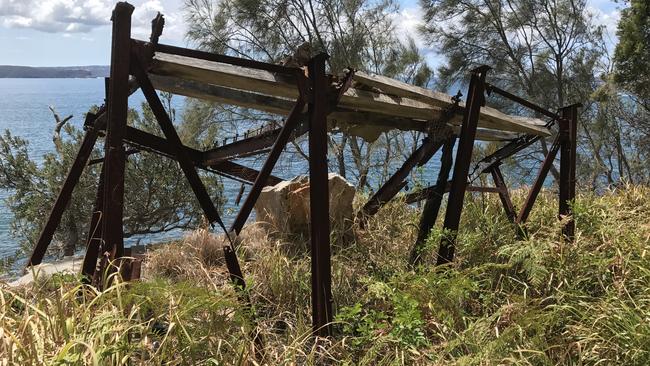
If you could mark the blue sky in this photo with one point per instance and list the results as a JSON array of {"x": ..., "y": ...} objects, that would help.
[{"x": 77, "y": 32}]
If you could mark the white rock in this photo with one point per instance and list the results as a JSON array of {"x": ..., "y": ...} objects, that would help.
[
  {"x": 45, "y": 270},
  {"x": 285, "y": 206}
]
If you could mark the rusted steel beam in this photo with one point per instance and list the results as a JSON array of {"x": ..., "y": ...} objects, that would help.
[
  {"x": 226, "y": 59},
  {"x": 118, "y": 94},
  {"x": 568, "y": 132},
  {"x": 248, "y": 146},
  {"x": 475, "y": 100},
  {"x": 243, "y": 173},
  {"x": 433, "y": 202},
  {"x": 526, "y": 103},
  {"x": 269, "y": 164},
  {"x": 321, "y": 276},
  {"x": 175, "y": 144},
  {"x": 397, "y": 181},
  {"x": 189, "y": 170},
  {"x": 500, "y": 183},
  {"x": 502, "y": 153},
  {"x": 539, "y": 182},
  {"x": 94, "y": 242},
  {"x": 158, "y": 145},
  {"x": 71, "y": 180}
]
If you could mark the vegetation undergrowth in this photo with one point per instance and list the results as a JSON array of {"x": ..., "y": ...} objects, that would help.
[{"x": 536, "y": 301}]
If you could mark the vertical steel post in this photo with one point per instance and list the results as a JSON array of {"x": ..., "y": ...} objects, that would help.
[
  {"x": 475, "y": 100},
  {"x": 321, "y": 283},
  {"x": 568, "y": 136},
  {"x": 432, "y": 204},
  {"x": 115, "y": 160}
]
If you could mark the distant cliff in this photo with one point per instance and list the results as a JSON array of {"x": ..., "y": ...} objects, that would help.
[{"x": 7, "y": 71}]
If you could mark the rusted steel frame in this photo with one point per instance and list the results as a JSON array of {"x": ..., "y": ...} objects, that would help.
[
  {"x": 191, "y": 174},
  {"x": 175, "y": 144},
  {"x": 225, "y": 59},
  {"x": 500, "y": 183},
  {"x": 567, "y": 183},
  {"x": 433, "y": 202},
  {"x": 93, "y": 243},
  {"x": 248, "y": 146},
  {"x": 243, "y": 173},
  {"x": 397, "y": 181},
  {"x": 118, "y": 94},
  {"x": 269, "y": 164},
  {"x": 321, "y": 276},
  {"x": 539, "y": 182},
  {"x": 146, "y": 141},
  {"x": 526, "y": 103},
  {"x": 71, "y": 180},
  {"x": 475, "y": 100},
  {"x": 502, "y": 153}
]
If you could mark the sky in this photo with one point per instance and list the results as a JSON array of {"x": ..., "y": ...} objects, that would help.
[{"x": 78, "y": 32}]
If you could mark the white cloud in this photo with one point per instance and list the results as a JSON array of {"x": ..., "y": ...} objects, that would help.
[
  {"x": 607, "y": 17},
  {"x": 52, "y": 16},
  {"x": 147, "y": 10},
  {"x": 82, "y": 16},
  {"x": 407, "y": 22}
]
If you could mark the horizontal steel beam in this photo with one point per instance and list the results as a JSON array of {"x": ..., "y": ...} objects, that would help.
[
  {"x": 491, "y": 88},
  {"x": 159, "y": 145},
  {"x": 208, "y": 56},
  {"x": 248, "y": 146}
]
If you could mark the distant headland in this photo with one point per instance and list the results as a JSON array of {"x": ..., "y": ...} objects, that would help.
[{"x": 8, "y": 71}]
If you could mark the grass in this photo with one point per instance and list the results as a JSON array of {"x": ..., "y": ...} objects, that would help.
[{"x": 539, "y": 301}]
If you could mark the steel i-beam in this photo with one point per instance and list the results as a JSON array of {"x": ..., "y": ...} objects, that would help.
[
  {"x": 321, "y": 282},
  {"x": 475, "y": 100},
  {"x": 118, "y": 94}
]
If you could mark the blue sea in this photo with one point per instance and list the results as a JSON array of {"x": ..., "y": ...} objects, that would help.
[{"x": 24, "y": 112}]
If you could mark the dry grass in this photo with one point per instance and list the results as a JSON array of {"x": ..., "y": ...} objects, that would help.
[{"x": 537, "y": 301}]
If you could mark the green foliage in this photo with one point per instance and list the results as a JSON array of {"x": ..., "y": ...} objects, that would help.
[
  {"x": 541, "y": 301},
  {"x": 157, "y": 197},
  {"x": 554, "y": 54},
  {"x": 632, "y": 54}
]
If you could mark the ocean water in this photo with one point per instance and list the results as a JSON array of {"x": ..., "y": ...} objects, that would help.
[{"x": 24, "y": 112}]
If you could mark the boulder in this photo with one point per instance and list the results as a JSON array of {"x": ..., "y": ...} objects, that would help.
[{"x": 285, "y": 206}]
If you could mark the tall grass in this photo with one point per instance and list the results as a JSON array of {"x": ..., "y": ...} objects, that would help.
[{"x": 538, "y": 301}]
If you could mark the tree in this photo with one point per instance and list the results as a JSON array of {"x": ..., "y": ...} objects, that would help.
[
  {"x": 355, "y": 33},
  {"x": 632, "y": 55},
  {"x": 157, "y": 197},
  {"x": 550, "y": 52}
]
